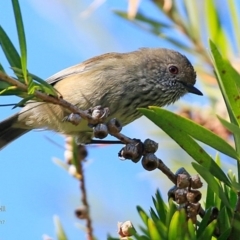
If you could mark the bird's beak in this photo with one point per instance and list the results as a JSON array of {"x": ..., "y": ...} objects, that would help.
[{"x": 192, "y": 89}]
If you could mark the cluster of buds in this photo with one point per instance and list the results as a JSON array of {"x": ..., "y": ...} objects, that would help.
[
  {"x": 137, "y": 150},
  {"x": 185, "y": 193}
]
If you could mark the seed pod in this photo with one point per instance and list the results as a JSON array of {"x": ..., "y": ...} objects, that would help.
[
  {"x": 194, "y": 196},
  {"x": 180, "y": 196},
  {"x": 150, "y": 146},
  {"x": 100, "y": 131},
  {"x": 196, "y": 182},
  {"x": 114, "y": 126},
  {"x": 150, "y": 162},
  {"x": 182, "y": 181},
  {"x": 81, "y": 212},
  {"x": 132, "y": 151}
]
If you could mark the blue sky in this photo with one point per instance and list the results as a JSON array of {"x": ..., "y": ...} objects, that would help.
[{"x": 32, "y": 188}]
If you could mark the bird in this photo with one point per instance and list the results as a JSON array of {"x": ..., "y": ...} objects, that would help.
[{"x": 122, "y": 82}]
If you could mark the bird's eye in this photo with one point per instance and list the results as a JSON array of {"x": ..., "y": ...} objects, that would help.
[{"x": 173, "y": 69}]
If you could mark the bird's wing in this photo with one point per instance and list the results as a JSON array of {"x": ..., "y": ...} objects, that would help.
[
  {"x": 91, "y": 63},
  {"x": 76, "y": 69}
]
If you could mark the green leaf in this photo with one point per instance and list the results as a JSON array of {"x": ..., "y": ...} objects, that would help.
[
  {"x": 210, "y": 196},
  {"x": 143, "y": 215},
  {"x": 2, "y": 69},
  {"x": 155, "y": 27},
  {"x": 21, "y": 37},
  {"x": 212, "y": 182},
  {"x": 192, "y": 19},
  {"x": 197, "y": 131},
  {"x": 204, "y": 222},
  {"x": 191, "y": 230},
  {"x": 153, "y": 231},
  {"x": 225, "y": 234},
  {"x": 170, "y": 212},
  {"x": 160, "y": 206},
  {"x": 234, "y": 13},
  {"x": 226, "y": 83},
  {"x": 178, "y": 225},
  {"x": 224, "y": 220},
  {"x": 168, "y": 123},
  {"x": 43, "y": 85},
  {"x": 59, "y": 229},
  {"x": 230, "y": 126},
  {"x": 23, "y": 101},
  {"x": 208, "y": 232},
  {"x": 9, "y": 50}
]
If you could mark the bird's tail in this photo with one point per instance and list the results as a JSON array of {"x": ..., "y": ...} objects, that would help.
[{"x": 8, "y": 132}]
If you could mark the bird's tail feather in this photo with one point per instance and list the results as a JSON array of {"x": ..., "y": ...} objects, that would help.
[{"x": 8, "y": 133}]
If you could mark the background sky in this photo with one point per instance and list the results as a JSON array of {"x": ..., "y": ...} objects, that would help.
[{"x": 32, "y": 188}]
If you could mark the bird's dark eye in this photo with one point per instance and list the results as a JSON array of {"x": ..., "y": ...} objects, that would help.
[{"x": 173, "y": 69}]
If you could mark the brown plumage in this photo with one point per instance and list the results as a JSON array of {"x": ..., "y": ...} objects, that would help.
[{"x": 120, "y": 81}]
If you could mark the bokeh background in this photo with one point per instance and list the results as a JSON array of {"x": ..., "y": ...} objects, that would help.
[{"x": 33, "y": 189}]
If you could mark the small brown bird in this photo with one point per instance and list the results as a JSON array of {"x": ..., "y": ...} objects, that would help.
[{"x": 122, "y": 82}]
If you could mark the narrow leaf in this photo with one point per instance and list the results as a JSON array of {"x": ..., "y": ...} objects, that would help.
[
  {"x": 209, "y": 230},
  {"x": 9, "y": 50},
  {"x": 59, "y": 229},
  {"x": 143, "y": 215},
  {"x": 186, "y": 142},
  {"x": 153, "y": 231},
  {"x": 227, "y": 83},
  {"x": 21, "y": 37},
  {"x": 197, "y": 131}
]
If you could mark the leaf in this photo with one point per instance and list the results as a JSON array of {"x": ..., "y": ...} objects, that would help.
[
  {"x": 197, "y": 131},
  {"x": 209, "y": 198},
  {"x": 230, "y": 126},
  {"x": 208, "y": 232},
  {"x": 21, "y": 37},
  {"x": 234, "y": 13},
  {"x": 160, "y": 206},
  {"x": 155, "y": 27},
  {"x": 193, "y": 19},
  {"x": 204, "y": 222},
  {"x": 170, "y": 212},
  {"x": 23, "y": 101},
  {"x": 224, "y": 220},
  {"x": 143, "y": 215},
  {"x": 153, "y": 231},
  {"x": 177, "y": 225},
  {"x": 2, "y": 69},
  {"x": 9, "y": 50},
  {"x": 212, "y": 183},
  {"x": 59, "y": 229},
  {"x": 225, "y": 234},
  {"x": 179, "y": 135},
  {"x": 191, "y": 230},
  {"x": 226, "y": 83}
]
